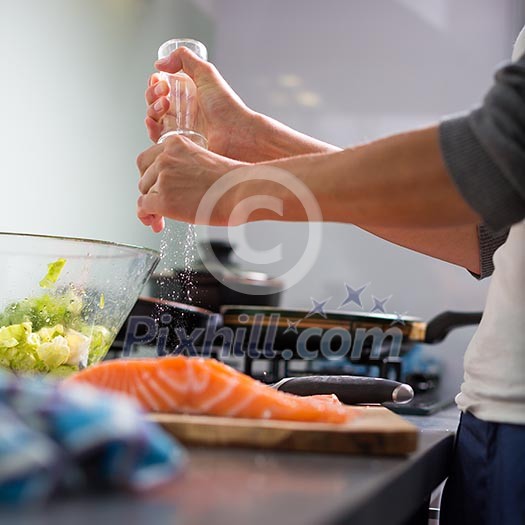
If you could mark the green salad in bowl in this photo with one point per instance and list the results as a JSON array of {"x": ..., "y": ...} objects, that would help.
[
  {"x": 63, "y": 300},
  {"x": 49, "y": 333}
]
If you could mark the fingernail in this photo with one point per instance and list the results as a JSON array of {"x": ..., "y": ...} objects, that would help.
[
  {"x": 162, "y": 61},
  {"x": 159, "y": 89},
  {"x": 158, "y": 106}
]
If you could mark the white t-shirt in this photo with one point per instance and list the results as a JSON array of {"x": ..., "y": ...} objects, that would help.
[
  {"x": 494, "y": 386},
  {"x": 494, "y": 383}
]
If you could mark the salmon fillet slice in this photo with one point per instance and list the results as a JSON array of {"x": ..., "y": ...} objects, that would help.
[{"x": 195, "y": 385}]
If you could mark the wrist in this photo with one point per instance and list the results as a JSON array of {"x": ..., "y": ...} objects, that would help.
[
  {"x": 266, "y": 138},
  {"x": 284, "y": 190},
  {"x": 274, "y": 140},
  {"x": 248, "y": 135}
]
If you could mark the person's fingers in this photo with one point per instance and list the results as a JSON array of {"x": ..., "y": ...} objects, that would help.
[
  {"x": 154, "y": 128},
  {"x": 148, "y": 179},
  {"x": 158, "y": 105},
  {"x": 146, "y": 219},
  {"x": 183, "y": 58},
  {"x": 147, "y": 157},
  {"x": 148, "y": 205},
  {"x": 158, "y": 109},
  {"x": 153, "y": 79},
  {"x": 155, "y": 91},
  {"x": 158, "y": 224}
]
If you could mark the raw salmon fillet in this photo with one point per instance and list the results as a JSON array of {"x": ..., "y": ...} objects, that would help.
[{"x": 195, "y": 385}]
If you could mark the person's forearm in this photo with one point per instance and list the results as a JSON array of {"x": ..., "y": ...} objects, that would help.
[
  {"x": 457, "y": 245},
  {"x": 396, "y": 182},
  {"x": 274, "y": 140}
]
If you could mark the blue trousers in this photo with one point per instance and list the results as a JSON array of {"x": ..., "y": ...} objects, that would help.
[{"x": 486, "y": 485}]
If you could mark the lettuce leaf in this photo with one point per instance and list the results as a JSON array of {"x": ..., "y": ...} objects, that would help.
[
  {"x": 54, "y": 270},
  {"x": 101, "y": 339},
  {"x": 18, "y": 347},
  {"x": 49, "y": 334},
  {"x": 44, "y": 311},
  {"x": 54, "y": 353}
]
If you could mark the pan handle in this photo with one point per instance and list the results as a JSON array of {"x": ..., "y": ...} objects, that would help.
[{"x": 439, "y": 327}]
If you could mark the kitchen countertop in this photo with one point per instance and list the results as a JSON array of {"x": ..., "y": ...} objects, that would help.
[
  {"x": 227, "y": 486},
  {"x": 445, "y": 420}
]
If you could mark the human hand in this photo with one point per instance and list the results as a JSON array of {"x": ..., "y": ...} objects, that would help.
[
  {"x": 174, "y": 177},
  {"x": 230, "y": 125}
]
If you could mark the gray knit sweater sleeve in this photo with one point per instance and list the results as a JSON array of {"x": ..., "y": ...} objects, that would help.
[{"x": 484, "y": 152}]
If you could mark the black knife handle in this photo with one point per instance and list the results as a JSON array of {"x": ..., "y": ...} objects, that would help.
[
  {"x": 350, "y": 390},
  {"x": 439, "y": 327}
]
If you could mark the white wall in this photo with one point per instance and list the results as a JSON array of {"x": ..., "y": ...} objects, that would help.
[{"x": 73, "y": 74}]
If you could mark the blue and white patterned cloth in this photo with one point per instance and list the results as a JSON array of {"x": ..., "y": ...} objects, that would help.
[{"x": 74, "y": 438}]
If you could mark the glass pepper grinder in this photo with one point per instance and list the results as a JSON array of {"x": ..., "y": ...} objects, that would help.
[{"x": 183, "y": 116}]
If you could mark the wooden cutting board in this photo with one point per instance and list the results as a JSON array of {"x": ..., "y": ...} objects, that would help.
[{"x": 375, "y": 430}]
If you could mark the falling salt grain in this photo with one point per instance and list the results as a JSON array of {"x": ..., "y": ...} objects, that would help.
[{"x": 172, "y": 244}]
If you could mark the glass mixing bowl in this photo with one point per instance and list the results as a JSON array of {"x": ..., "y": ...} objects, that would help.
[{"x": 63, "y": 300}]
